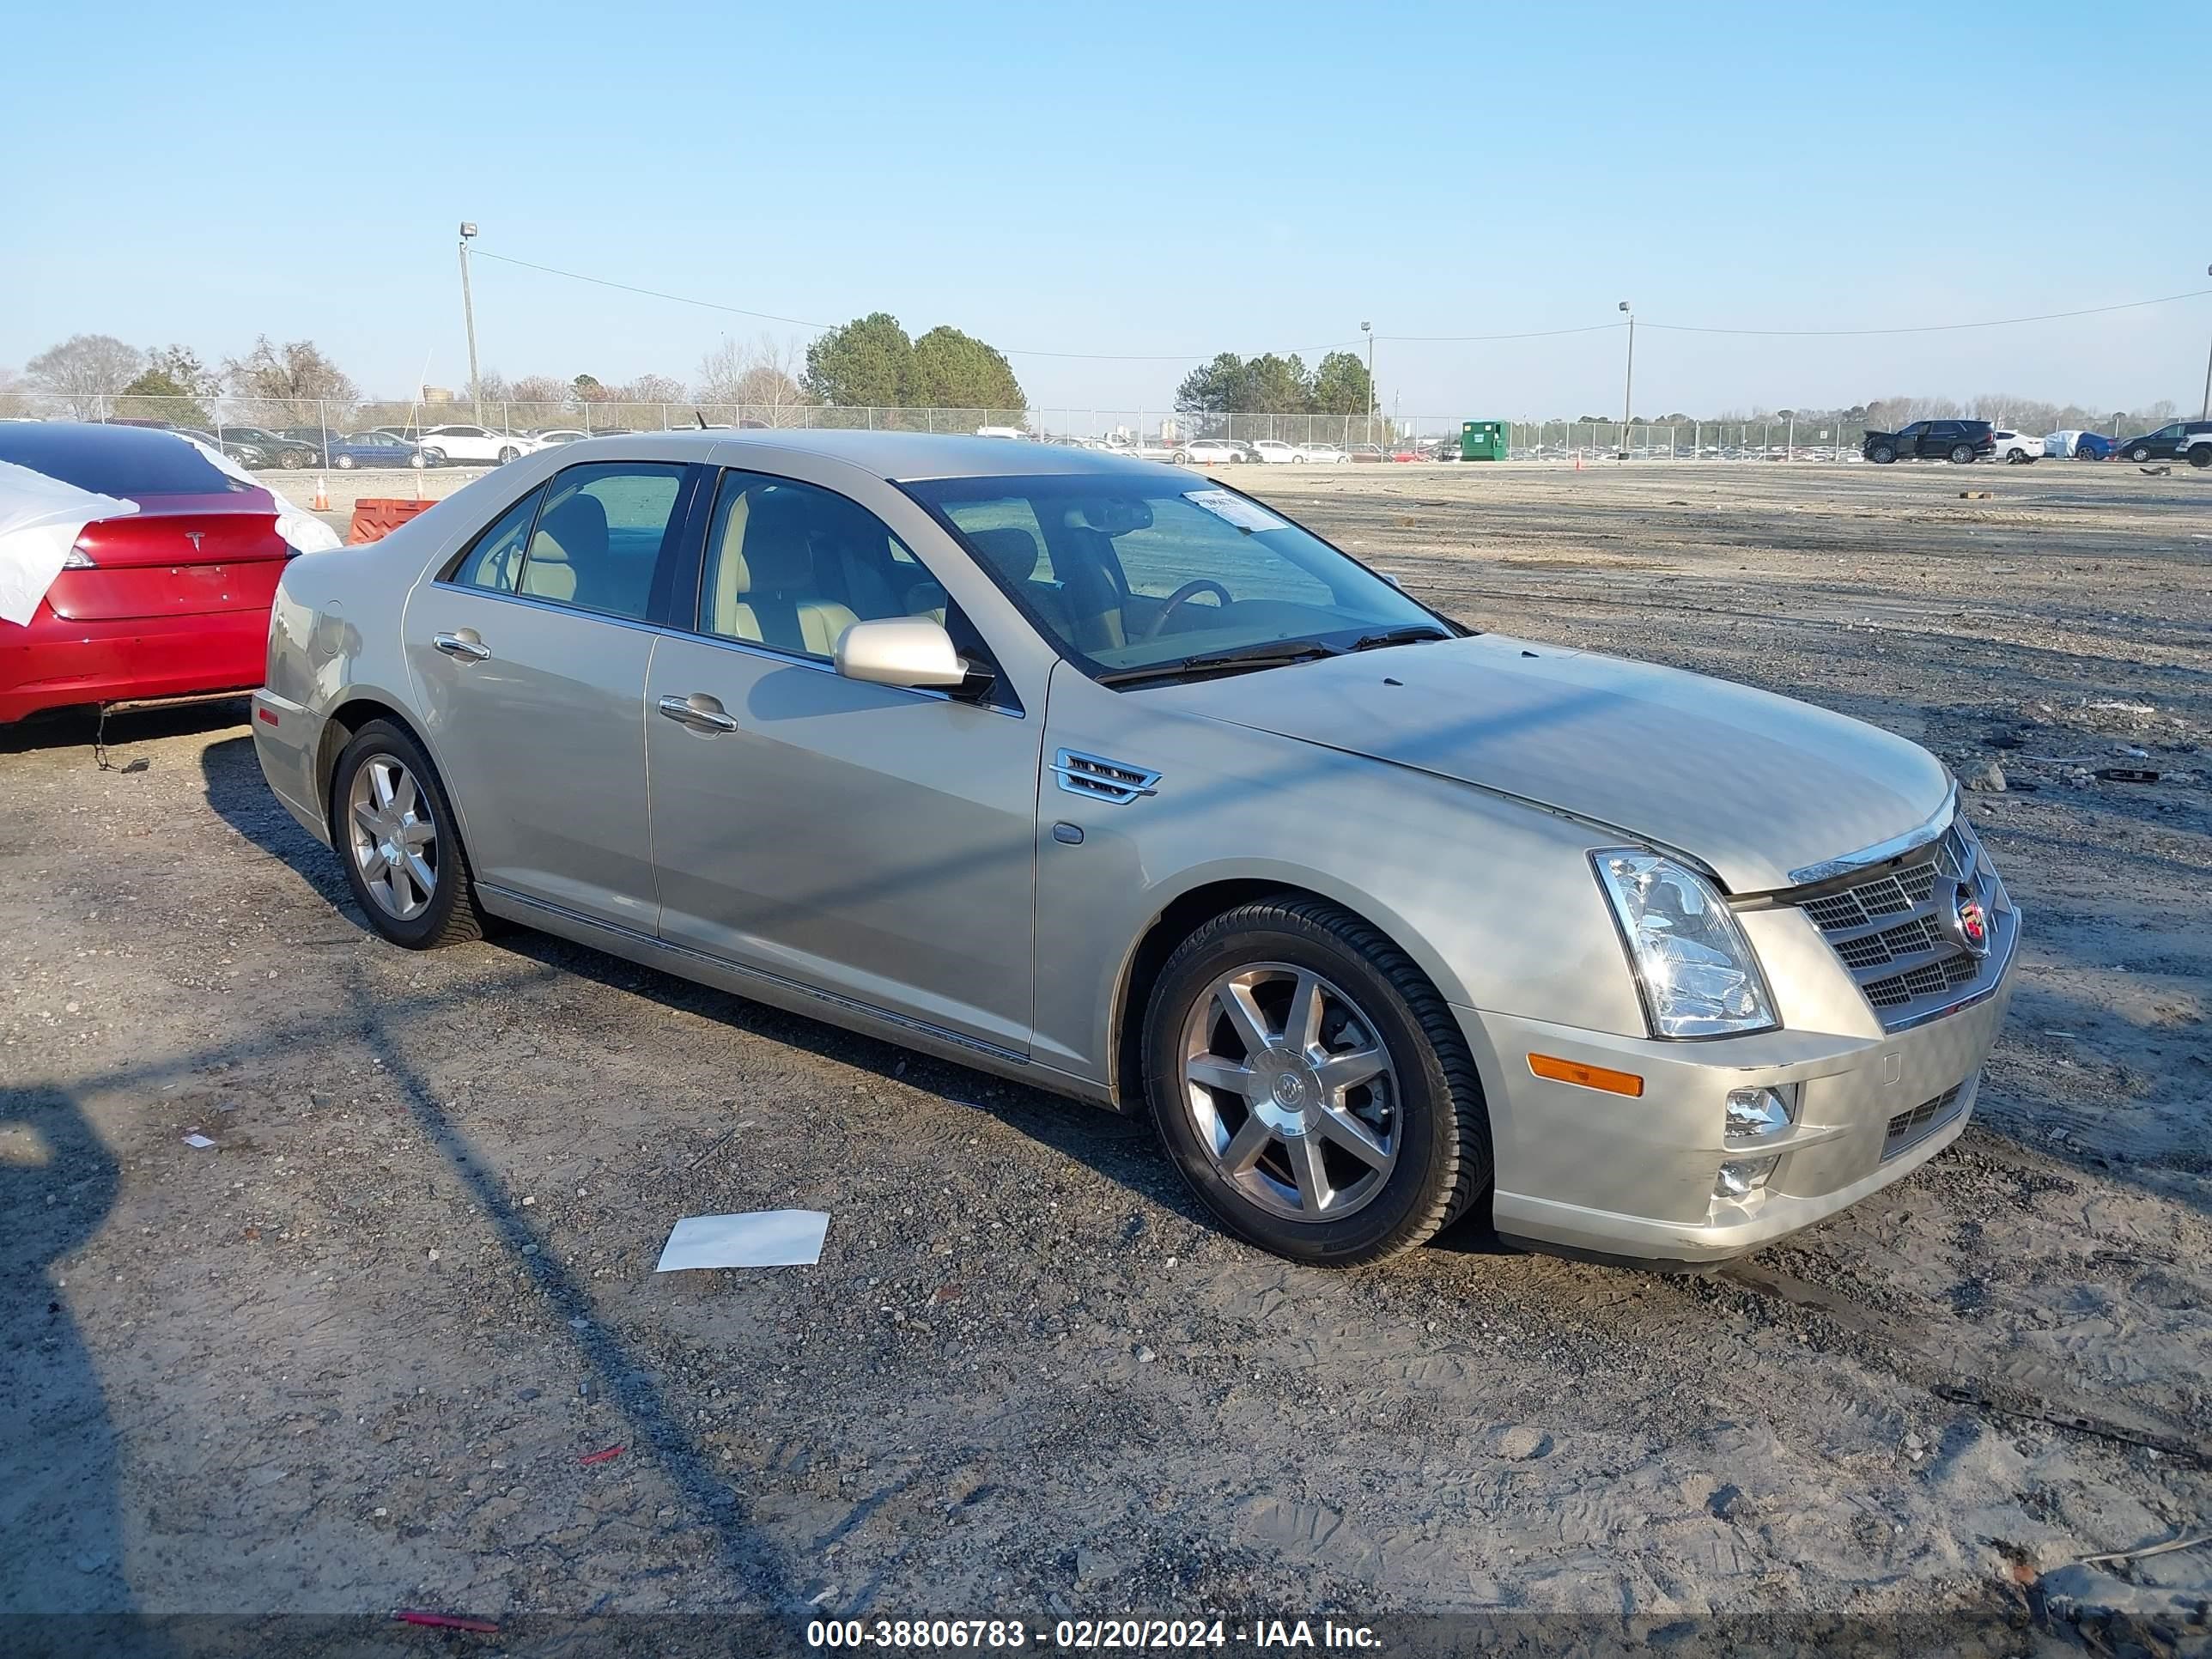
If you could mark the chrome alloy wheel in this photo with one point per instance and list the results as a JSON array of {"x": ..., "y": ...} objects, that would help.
[
  {"x": 1292, "y": 1093},
  {"x": 394, "y": 837}
]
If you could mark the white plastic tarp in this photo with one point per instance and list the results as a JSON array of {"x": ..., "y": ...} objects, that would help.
[
  {"x": 41, "y": 518},
  {"x": 298, "y": 526}
]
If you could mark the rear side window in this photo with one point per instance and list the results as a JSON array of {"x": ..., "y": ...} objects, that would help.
[
  {"x": 494, "y": 562},
  {"x": 598, "y": 541}
]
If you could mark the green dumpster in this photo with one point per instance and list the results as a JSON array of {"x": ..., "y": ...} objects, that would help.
[{"x": 1483, "y": 440}]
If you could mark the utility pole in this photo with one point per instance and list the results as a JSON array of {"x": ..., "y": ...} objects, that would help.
[
  {"x": 2205, "y": 414},
  {"x": 469, "y": 316},
  {"x": 1368, "y": 329},
  {"x": 1628, "y": 390}
]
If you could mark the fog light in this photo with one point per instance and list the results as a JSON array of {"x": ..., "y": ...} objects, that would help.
[
  {"x": 1752, "y": 1113},
  {"x": 1742, "y": 1176}
]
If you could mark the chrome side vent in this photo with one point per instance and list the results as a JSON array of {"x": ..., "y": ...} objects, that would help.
[{"x": 1097, "y": 779}]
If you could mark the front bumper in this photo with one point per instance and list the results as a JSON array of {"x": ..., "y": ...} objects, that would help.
[{"x": 1593, "y": 1173}]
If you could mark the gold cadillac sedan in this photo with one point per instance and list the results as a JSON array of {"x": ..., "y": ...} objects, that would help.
[{"x": 1100, "y": 774}]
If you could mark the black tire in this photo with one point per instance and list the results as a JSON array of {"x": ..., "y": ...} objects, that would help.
[
  {"x": 2138, "y": 454},
  {"x": 1443, "y": 1166},
  {"x": 344, "y": 464},
  {"x": 1962, "y": 455},
  {"x": 509, "y": 455},
  {"x": 434, "y": 458},
  {"x": 453, "y": 916},
  {"x": 2200, "y": 456},
  {"x": 1881, "y": 454}
]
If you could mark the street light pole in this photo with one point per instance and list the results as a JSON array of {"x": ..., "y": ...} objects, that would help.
[
  {"x": 469, "y": 316},
  {"x": 1368, "y": 329},
  {"x": 1628, "y": 390}
]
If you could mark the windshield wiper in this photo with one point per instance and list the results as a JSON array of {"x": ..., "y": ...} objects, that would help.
[
  {"x": 1276, "y": 654},
  {"x": 1412, "y": 634}
]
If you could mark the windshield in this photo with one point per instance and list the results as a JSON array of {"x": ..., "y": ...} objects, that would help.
[{"x": 1126, "y": 574}]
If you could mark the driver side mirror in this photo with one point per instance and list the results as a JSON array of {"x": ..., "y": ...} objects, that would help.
[{"x": 912, "y": 652}]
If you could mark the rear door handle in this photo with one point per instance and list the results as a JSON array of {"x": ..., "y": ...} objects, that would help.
[
  {"x": 464, "y": 644},
  {"x": 698, "y": 711}
]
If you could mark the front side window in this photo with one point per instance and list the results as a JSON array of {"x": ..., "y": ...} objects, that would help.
[
  {"x": 598, "y": 538},
  {"x": 1143, "y": 578},
  {"x": 791, "y": 566}
]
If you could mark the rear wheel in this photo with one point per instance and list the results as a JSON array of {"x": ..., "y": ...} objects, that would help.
[
  {"x": 1962, "y": 455},
  {"x": 1312, "y": 1086},
  {"x": 1881, "y": 454},
  {"x": 2200, "y": 456},
  {"x": 401, "y": 845},
  {"x": 508, "y": 454}
]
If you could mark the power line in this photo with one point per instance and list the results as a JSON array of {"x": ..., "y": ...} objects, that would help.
[
  {"x": 823, "y": 328},
  {"x": 1930, "y": 328},
  {"x": 1533, "y": 334},
  {"x": 1408, "y": 339}
]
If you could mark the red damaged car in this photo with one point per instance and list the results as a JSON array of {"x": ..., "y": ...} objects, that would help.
[{"x": 169, "y": 602}]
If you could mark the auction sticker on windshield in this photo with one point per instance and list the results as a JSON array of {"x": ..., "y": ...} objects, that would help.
[{"x": 1235, "y": 509}]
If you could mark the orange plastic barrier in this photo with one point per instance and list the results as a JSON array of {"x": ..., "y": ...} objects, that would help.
[{"x": 373, "y": 517}]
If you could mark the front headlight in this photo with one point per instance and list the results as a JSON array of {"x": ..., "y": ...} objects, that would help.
[{"x": 1693, "y": 963}]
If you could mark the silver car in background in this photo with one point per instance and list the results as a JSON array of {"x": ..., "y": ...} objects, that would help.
[{"x": 1099, "y": 774}]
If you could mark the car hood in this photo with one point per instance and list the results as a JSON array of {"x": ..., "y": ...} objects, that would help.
[{"x": 1757, "y": 787}]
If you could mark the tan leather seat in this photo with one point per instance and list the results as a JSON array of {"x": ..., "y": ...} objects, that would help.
[
  {"x": 1013, "y": 553},
  {"x": 767, "y": 589},
  {"x": 572, "y": 533}
]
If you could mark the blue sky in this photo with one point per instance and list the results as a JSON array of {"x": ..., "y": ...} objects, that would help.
[{"x": 1134, "y": 179}]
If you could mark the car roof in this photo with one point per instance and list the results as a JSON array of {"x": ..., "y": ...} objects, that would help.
[
  {"x": 28, "y": 443},
  {"x": 898, "y": 456}
]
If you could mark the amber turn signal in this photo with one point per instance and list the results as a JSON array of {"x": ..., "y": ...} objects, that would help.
[{"x": 1588, "y": 1077}]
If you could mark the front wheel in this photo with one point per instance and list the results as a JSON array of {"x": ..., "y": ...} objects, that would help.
[
  {"x": 397, "y": 836},
  {"x": 2139, "y": 454},
  {"x": 1312, "y": 1086},
  {"x": 508, "y": 454},
  {"x": 1962, "y": 455},
  {"x": 433, "y": 458},
  {"x": 344, "y": 463},
  {"x": 2200, "y": 456},
  {"x": 1881, "y": 454}
]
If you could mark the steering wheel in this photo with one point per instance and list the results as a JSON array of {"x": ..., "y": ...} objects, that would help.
[{"x": 1181, "y": 596}]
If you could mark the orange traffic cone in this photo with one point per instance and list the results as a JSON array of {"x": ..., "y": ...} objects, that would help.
[{"x": 322, "y": 494}]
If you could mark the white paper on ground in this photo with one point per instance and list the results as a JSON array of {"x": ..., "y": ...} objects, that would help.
[
  {"x": 298, "y": 526},
  {"x": 765, "y": 1238},
  {"x": 196, "y": 1139},
  {"x": 41, "y": 518}
]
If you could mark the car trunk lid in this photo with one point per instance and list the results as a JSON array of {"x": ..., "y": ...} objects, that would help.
[{"x": 178, "y": 556}]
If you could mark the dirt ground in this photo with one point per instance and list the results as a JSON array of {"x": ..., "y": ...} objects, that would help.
[{"x": 357, "y": 1355}]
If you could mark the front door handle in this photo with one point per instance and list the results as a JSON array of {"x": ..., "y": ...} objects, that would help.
[
  {"x": 464, "y": 644},
  {"x": 698, "y": 711}
]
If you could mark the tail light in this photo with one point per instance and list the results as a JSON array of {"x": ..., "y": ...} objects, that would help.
[{"x": 77, "y": 559}]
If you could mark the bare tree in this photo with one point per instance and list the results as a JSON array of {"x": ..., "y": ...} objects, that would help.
[
  {"x": 757, "y": 382},
  {"x": 295, "y": 383},
  {"x": 84, "y": 370}
]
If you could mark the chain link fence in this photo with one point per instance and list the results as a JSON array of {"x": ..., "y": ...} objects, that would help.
[{"x": 299, "y": 432}]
